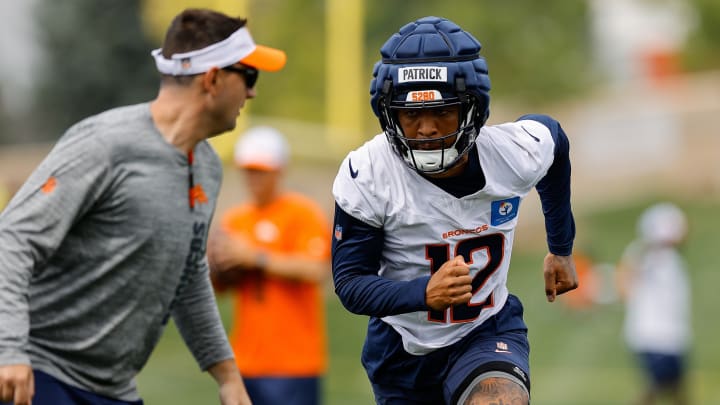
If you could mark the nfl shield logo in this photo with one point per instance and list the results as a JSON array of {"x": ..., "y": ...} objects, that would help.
[{"x": 338, "y": 232}]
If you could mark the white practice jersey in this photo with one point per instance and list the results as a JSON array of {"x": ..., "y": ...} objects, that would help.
[
  {"x": 424, "y": 226},
  {"x": 658, "y": 306}
]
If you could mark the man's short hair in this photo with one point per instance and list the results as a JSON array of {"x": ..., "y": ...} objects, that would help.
[{"x": 198, "y": 28}]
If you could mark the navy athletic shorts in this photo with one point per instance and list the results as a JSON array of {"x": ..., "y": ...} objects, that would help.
[
  {"x": 283, "y": 390},
  {"x": 663, "y": 369},
  {"x": 51, "y": 391},
  {"x": 441, "y": 376}
]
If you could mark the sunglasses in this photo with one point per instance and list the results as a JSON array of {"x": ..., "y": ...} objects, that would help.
[{"x": 250, "y": 74}]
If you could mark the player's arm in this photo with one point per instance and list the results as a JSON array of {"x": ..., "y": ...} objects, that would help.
[
  {"x": 625, "y": 270},
  {"x": 623, "y": 280},
  {"x": 356, "y": 253},
  {"x": 307, "y": 258},
  {"x": 296, "y": 266},
  {"x": 231, "y": 257},
  {"x": 554, "y": 191}
]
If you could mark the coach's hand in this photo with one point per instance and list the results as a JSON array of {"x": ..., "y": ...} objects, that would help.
[
  {"x": 17, "y": 384},
  {"x": 560, "y": 275},
  {"x": 234, "y": 394},
  {"x": 230, "y": 383},
  {"x": 450, "y": 285}
]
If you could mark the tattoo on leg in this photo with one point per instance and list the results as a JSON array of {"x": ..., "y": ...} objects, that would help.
[{"x": 497, "y": 391}]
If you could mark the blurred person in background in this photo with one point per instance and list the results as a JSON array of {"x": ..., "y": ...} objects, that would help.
[
  {"x": 106, "y": 239},
  {"x": 654, "y": 284},
  {"x": 425, "y": 215},
  {"x": 272, "y": 253}
]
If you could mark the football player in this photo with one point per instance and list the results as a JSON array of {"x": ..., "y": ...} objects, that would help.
[
  {"x": 424, "y": 222},
  {"x": 655, "y": 286}
]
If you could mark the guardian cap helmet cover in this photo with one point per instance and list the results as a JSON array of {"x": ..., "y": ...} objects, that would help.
[{"x": 431, "y": 62}]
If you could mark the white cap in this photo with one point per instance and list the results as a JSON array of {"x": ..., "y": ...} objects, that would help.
[
  {"x": 262, "y": 148},
  {"x": 662, "y": 223}
]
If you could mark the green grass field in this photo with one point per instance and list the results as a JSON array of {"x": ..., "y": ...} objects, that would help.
[{"x": 576, "y": 358}]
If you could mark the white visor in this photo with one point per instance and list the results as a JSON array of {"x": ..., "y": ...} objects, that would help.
[{"x": 238, "y": 47}]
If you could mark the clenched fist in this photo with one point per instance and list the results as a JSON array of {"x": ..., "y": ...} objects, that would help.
[
  {"x": 560, "y": 276},
  {"x": 450, "y": 285}
]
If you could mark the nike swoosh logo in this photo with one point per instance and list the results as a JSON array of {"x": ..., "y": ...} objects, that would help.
[
  {"x": 533, "y": 136},
  {"x": 353, "y": 173},
  {"x": 502, "y": 351}
]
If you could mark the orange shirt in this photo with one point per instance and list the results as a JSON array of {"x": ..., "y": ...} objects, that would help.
[{"x": 279, "y": 324}]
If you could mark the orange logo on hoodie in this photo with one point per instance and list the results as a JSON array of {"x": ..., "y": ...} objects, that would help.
[
  {"x": 197, "y": 194},
  {"x": 49, "y": 185}
]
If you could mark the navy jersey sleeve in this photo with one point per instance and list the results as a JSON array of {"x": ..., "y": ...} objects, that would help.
[
  {"x": 356, "y": 253},
  {"x": 554, "y": 191}
]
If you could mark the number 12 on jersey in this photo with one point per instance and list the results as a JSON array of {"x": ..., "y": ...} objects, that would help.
[{"x": 494, "y": 247}]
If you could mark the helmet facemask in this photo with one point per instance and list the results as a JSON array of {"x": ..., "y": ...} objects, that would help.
[{"x": 436, "y": 155}]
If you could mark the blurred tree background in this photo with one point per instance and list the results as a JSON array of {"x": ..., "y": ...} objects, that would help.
[
  {"x": 96, "y": 55},
  {"x": 522, "y": 42},
  {"x": 703, "y": 51}
]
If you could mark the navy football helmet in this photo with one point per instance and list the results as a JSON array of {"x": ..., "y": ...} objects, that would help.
[{"x": 431, "y": 62}]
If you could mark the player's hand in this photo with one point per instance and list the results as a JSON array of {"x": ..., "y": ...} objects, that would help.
[
  {"x": 450, "y": 285},
  {"x": 560, "y": 275},
  {"x": 17, "y": 385},
  {"x": 225, "y": 260}
]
